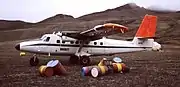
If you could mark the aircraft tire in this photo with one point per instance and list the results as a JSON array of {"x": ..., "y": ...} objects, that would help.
[
  {"x": 74, "y": 59},
  {"x": 85, "y": 60},
  {"x": 34, "y": 61}
]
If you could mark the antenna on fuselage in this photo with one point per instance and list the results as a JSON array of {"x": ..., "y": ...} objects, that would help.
[
  {"x": 54, "y": 32},
  {"x": 59, "y": 34}
]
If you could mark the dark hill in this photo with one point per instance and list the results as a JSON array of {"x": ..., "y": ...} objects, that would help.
[
  {"x": 58, "y": 18},
  {"x": 130, "y": 15},
  {"x": 121, "y": 12},
  {"x": 11, "y": 25}
]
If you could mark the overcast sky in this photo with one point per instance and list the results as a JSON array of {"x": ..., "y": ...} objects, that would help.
[{"x": 37, "y": 10}]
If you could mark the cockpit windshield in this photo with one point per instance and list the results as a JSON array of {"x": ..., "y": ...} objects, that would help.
[{"x": 43, "y": 37}]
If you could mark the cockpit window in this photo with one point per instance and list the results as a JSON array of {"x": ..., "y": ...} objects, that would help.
[{"x": 47, "y": 39}]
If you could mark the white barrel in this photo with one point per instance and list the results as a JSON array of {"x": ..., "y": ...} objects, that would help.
[{"x": 99, "y": 70}]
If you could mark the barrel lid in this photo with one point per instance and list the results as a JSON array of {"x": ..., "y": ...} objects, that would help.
[
  {"x": 49, "y": 63},
  {"x": 94, "y": 72},
  {"x": 52, "y": 63},
  {"x": 117, "y": 59}
]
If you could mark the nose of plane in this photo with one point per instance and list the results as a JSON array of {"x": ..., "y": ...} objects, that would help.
[{"x": 17, "y": 47}]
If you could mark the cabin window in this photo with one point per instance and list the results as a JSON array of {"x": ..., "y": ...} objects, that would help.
[
  {"x": 47, "y": 39},
  {"x": 95, "y": 43},
  {"x": 72, "y": 42},
  {"x": 63, "y": 41},
  {"x": 58, "y": 41},
  {"x": 77, "y": 42},
  {"x": 101, "y": 43}
]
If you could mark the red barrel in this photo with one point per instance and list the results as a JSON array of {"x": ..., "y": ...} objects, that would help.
[
  {"x": 120, "y": 67},
  {"x": 125, "y": 69},
  {"x": 58, "y": 68},
  {"x": 46, "y": 71}
]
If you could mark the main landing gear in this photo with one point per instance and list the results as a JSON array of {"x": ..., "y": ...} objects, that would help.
[
  {"x": 83, "y": 60},
  {"x": 34, "y": 61}
]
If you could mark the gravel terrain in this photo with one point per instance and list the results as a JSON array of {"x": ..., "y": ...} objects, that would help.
[{"x": 148, "y": 69}]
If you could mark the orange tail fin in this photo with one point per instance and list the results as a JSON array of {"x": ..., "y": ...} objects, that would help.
[{"x": 147, "y": 28}]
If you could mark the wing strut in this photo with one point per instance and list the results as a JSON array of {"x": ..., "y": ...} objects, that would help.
[
  {"x": 79, "y": 51},
  {"x": 80, "y": 48}
]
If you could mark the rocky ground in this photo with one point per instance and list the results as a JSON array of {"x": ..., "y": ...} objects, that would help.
[{"x": 148, "y": 69}]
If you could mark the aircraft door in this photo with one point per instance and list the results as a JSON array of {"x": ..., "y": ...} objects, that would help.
[
  {"x": 107, "y": 50},
  {"x": 47, "y": 47},
  {"x": 54, "y": 44},
  {"x": 88, "y": 49}
]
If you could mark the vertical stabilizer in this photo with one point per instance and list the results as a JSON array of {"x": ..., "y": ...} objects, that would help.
[{"x": 148, "y": 27}]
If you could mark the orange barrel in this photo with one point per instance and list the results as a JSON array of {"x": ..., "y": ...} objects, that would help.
[
  {"x": 125, "y": 69},
  {"x": 59, "y": 68},
  {"x": 101, "y": 63},
  {"x": 85, "y": 71},
  {"x": 108, "y": 62},
  {"x": 117, "y": 67},
  {"x": 105, "y": 62},
  {"x": 45, "y": 71},
  {"x": 99, "y": 70}
]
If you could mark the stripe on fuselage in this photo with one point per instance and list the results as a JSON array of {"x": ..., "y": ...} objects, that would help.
[{"x": 96, "y": 46}]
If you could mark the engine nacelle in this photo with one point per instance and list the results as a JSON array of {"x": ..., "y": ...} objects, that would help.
[{"x": 156, "y": 46}]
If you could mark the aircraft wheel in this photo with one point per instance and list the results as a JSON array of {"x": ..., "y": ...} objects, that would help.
[
  {"x": 34, "y": 61},
  {"x": 74, "y": 59},
  {"x": 85, "y": 60}
]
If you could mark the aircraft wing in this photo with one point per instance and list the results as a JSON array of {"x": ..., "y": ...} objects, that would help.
[{"x": 98, "y": 32}]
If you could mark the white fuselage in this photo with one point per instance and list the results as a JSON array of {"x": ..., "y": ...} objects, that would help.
[{"x": 68, "y": 46}]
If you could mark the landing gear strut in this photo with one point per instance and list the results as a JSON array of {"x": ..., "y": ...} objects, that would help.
[{"x": 34, "y": 61}]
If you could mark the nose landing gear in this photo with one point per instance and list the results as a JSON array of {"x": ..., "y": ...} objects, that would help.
[{"x": 34, "y": 61}]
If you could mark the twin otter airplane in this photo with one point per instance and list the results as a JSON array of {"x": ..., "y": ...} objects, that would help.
[{"x": 81, "y": 45}]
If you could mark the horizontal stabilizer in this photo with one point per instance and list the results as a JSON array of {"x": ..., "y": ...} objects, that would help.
[{"x": 141, "y": 38}]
